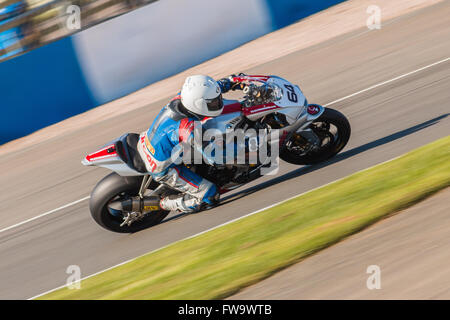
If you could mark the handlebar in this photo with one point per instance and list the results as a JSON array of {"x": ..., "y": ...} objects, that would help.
[{"x": 258, "y": 94}]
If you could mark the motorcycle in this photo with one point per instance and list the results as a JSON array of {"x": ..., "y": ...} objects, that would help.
[{"x": 127, "y": 200}]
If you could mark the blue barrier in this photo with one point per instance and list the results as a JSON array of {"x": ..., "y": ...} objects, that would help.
[
  {"x": 40, "y": 88},
  {"x": 285, "y": 12},
  {"x": 122, "y": 55}
]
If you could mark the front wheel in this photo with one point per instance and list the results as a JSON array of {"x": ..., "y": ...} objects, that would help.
[
  {"x": 331, "y": 128},
  {"x": 114, "y": 187}
]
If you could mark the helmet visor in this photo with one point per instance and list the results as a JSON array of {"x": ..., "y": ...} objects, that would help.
[{"x": 215, "y": 104}]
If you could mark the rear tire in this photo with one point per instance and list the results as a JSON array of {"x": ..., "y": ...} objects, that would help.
[
  {"x": 330, "y": 117},
  {"x": 110, "y": 187}
]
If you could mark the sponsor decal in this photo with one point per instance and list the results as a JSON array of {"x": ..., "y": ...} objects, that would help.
[
  {"x": 150, "y": 160},
  {"x": 313, "y": 109},
  {"x": 151, "y": 208},
  {"x": 149, "y": 146}
]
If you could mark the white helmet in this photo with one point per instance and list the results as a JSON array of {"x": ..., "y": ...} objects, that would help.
[{"x": 202, "y": 95}]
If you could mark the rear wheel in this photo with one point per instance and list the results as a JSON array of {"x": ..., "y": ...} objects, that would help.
[
  {"x": 333, "y": 130},
  {"x": 114, "y": 187}
]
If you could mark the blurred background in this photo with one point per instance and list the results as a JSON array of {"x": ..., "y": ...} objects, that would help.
[
  {"x": 26, "y": 25},
  {"x": 50, "y": 71}
]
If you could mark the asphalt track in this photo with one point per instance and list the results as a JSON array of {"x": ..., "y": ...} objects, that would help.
[{"x": 387, "y": 121}]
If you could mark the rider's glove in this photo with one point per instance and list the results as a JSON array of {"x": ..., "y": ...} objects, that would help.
[{"x": 225, "y": 85}]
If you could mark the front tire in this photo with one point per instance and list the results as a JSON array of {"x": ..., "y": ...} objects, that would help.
[
  {"x": 335, "y": 141},
  {"x": 114, "y": 186}
]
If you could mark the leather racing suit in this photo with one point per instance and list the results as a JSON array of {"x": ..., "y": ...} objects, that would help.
[{"x": 174, "y": 125}]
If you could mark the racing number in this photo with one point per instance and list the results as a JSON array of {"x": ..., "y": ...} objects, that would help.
[{"x": 292, "y": 96}]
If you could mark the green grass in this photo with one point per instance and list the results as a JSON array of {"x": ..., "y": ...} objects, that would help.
[{"x": 218, "y": 263}]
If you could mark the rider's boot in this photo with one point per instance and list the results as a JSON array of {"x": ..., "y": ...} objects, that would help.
[
  {"x": 189, "y": 204},
  {"x": 183, "y": 203}
]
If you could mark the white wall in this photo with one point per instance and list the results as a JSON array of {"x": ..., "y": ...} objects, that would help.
[{"x": 129, "y": 52}]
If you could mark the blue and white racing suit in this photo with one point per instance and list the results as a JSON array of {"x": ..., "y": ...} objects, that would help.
[{"x": 170, "y": 128}]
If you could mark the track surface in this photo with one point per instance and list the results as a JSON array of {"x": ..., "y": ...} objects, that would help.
[
  {"x": 386, "y": 122},
  {"x": 413, "y": 265}
]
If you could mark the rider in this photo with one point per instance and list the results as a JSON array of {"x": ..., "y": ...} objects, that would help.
[{"x": 200, "y": 97}]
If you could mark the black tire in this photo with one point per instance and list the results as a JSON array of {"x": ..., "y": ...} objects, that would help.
[
  {"x": 109, "y": 188},
  {"x": 340, "y": 122}
]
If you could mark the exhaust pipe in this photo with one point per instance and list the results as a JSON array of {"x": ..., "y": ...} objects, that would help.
[{"x": 136, "y": 204}]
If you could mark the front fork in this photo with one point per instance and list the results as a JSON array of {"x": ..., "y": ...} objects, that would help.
[{"x": 311, "y": 113}]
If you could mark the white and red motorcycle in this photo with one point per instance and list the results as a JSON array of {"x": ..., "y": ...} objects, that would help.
[{"x": 127, "y": 200}]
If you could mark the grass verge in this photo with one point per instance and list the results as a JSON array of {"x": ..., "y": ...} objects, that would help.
[{"x": 218, "y": 263}]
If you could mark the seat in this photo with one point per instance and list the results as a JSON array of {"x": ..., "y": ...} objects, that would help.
[{"x": 135, "y": 159}]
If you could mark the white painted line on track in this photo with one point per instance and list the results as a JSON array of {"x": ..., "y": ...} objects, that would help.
[
  {"x": 325, "y": 105},
  {"x": 215, "y": 227},
  {"x": 387, "y": 81},
  {"x": 45, "y": 214}
]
